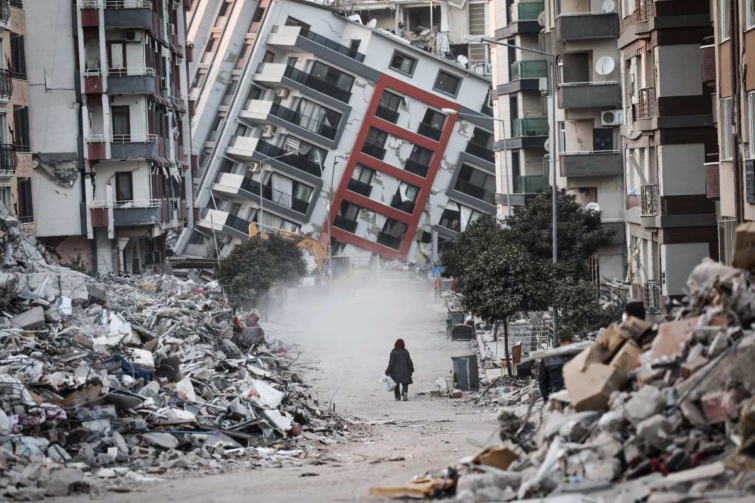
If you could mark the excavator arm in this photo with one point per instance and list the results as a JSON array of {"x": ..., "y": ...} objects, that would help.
[{"x": 311, "y": 246}]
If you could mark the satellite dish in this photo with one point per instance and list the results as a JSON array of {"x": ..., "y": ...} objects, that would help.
[
  {"x": 462, "y": 60},
  {"x": 608, "y": 6},
  {"x": 541, "y": 19},
  {"x": 372, "y": 23},
  {"x": 547, "y": 145},
  {"x": 592, "y": 206},
  {"x": 605, "y": 65}
]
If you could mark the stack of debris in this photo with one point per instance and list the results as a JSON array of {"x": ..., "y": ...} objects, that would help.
[
  {"x": 124, "y": 379},
  {"x": 659, "y": 412}
]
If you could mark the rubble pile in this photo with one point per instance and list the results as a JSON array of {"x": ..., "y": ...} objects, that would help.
[
  {"x": 650, "y": 412},
  {"x": 127, "y": 380}
]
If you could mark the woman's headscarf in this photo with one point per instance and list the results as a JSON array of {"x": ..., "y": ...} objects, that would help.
[{"x": 399, "y": 344}]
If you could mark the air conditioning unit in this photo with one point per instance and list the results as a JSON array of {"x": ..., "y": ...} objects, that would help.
[
  {"x": 268, "y": 131},
  {"x": 282, "y": 93},
  {"x": 132, "y": 36},
  {"x": 611, "y": 117}
]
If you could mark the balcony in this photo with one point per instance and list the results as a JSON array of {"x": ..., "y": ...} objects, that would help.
[
  {"x": 708, "y": 56},
  {"x": 132, "y": 80},
  {"x": 523, "y": 20},
  {"x": 268, "y": 150},
  {"x": 387, "y": 114},
  {"x": 135, "y": 14},
  {"x": 415, "y": 167},
  {"x": 372, "y": 150},
  {"x": 529, "y": 11},
  {"x": 238, "y": 224},
  {"x": 475, "y": 191},
  {"x": 6, "y": 85},
  {"x": 589, "y": 95},
  {"x": 389, "y": 241},
  {"x": 8, "y": 160},
  {"x": 313, "y": 124},
  {"x": 276, "y": 197},
  {"x": 133, "y": 213},
  {"x": 128, "y": 146},
  {"x": 332, "y": 45},
  {"x": 429, "y": 131},
  {"x": 257, "y": 111},
  {"x": 530, "y": 69},
  {"x": 649, "y": 200},
  {"x": 345, "y": 224},
  {"x": 401, "y": 205},
  {"x": 358, "y": 187},
  {"x": 481, "y": 152},
  {"x": 587, "y": 25},
  {"x": 530, "y": 184},
  {"x": 242, "y": 146},
  {"x": 319, "y": 85},
  {"x": 595, "y": 163},
  {"x": 529, "y": 127},
  {"x": 4, "y": 11}
]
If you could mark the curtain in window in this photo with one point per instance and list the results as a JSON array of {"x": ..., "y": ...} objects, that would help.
[
  {"x": 270, "y": 220},
  {"x": 121, "y": 123},
  {"x": 466, "y": 214},
  {"x": 282, "y": 190}
]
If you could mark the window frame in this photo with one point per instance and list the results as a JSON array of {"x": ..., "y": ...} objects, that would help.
[
  {"x": 724, "y": 24},
  {"x": 727, "y": 143},
  {"x": 438, "y": 78},
  {"x": 405, "y": 57},
  {"x": 751, "y": 122},
  {"x": 120, "y": 178}
]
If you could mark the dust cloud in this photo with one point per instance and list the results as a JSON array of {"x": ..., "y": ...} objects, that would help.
[{"x": 348, "y": 330}]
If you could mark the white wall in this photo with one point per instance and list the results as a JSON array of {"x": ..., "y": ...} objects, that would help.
[
  {"x": 678, "y": 260},
  {"x": 681, "y": 169},
  {"x": 680, "y": 70},
  {"x": 140, "y": 176}
]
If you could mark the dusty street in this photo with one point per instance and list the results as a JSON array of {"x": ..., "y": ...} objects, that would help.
[{"x": 345, "y": 339}]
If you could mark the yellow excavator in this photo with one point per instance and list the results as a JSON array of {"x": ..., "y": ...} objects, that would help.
[{"x": 311, "y": 246}]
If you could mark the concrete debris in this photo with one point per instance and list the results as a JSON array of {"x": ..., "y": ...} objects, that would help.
[
  {"x": 117, "y": 379},
  {"x": 657, "y": 413}
]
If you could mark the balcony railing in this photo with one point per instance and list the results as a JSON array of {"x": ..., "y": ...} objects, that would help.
[
  {"x": 237, "y": 223},
  {"x": 529, "y": 11},
  {"x": 293, "y": 160},
  {"x": 429, "y": 131},
  {"x": 529, "y": 127},
  {"x": 6, "y": 85},
  {"x": 475, "y": 191},
  {"x": 345, "y": 224},
  {"x": 481, "y": 151},
  {"x": 8, "y": 160},
  {"x": 531, "y": 184},
  {"x": 646, "y": 103},
  {"x": 652, "y": 296},
  {"x": 130, "y": 138},
  {"x": 132, "y": 71},
  {"x": 649, "y": 200},
  {"x": 313, "y": 124},
  {"x": 387, "y": 114},
  {"x": 416, "y": 167},
  {"x": 389, "y": 241},
  {"x": 317, "y": 84},
  {"x": 275, "y": 196},
  {"x": 373, "y": 150},
  {"x": 4, "y": 11},
  {"x": 128, "y": 4},
  {"x": 360, "y": 187},
  {"x": 533, "y": 69},
  {"x": 643, "y": 10},
  {"x": 330, "y": 44},
  {"x": 401, "y": 205}
]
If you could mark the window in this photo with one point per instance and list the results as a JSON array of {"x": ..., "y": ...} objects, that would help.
[
  {"x": 25, "y": 209},
  {"x": 482, "y": 138},
  {"x": 476, "y": 183},
  {"x": 290, "y": 21},
  {"x": 390, "y": 100},
  {"x": 199, "y": 80},
  {"x": 121, "y": 123},
  {"x": 244, "y": 55},
  {"x": 242, "y": 130},
  {"x": 723, "y": 19},
  {"x": 421, "y": 155},
  {"x": 21, "y": 129},
  {"x": 403, "y": 63},
  {"x": 447, "y": 83},
  {"x": 376, "y": 137},
  {"x": 230, "y": 90},
  {"x": 316, "y": 118},
  {"x": 258, "y": 15},
  {"x": 124, "y": 186},
  {"x": 750, "y": 7},
  {"x": 224, "y": 9},
  {"x": 562, "y": 136},
  {"x": 255, "y": 93},
  {"x": 751, "y": 122},
  {"x": 434, "y": 118},
  {"x": 302, "y": 192},
  {"x": 18, "y": 56},
  {"x": 354, "y": 45},
  {"x": 5, "y": 196},
  {"x": 349, "y": 211},
  {"x": 726, "y": 132},
  {"x": 269, "y": 57},
  {"x": 292, "y": 61},
  {"x": 210, "y": 44},
  {"x": 362, "y": 174},
  {"x": 116, "y": 58},
  {"x": 204, "y": 159},
  {"x": 332, "y": 76}
]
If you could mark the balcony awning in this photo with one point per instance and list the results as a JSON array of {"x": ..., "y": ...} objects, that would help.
[
  {"x": 160, "y": 100},
  {"x": 161, "y": 162}
]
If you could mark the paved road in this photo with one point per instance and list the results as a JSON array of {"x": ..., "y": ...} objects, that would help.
[{"x": 349, "y": 335}]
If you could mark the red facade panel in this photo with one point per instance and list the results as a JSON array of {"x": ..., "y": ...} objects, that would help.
[{"x": 90, "y": 17}]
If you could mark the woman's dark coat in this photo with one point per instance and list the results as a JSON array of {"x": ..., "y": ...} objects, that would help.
[{"x": 400, "y": 366}]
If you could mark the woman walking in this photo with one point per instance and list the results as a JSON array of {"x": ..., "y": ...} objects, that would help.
[{"x": 400, "y": 368}]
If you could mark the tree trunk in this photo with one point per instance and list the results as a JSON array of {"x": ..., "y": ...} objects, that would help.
[
  {"x": 495, "y": 331},
  {"x": 506, "y": 345}
]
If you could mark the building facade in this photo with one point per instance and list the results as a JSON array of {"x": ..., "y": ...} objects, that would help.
[
  {"x": 110, "y": 136},
  {"x": 731, "y": 174},
  {"x": 319, "y": 124}
]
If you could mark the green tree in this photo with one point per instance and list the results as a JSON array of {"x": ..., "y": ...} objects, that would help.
[
  {"x": 251, "y": 269},
  {"x": 468, "y": 245}
]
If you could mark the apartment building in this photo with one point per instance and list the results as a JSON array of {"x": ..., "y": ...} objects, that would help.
[
  {"x": 16, "y": 167},
  {"x": 731, "y": 174},
  {"x": 313, "y": 122},
  {"x": 110, "y": 135},
  {"x": 668, "y": 137}
]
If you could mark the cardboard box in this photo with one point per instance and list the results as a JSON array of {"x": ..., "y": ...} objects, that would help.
[
  {"x": 628, "y": 357},
  {"x": 590, "y": 389}
]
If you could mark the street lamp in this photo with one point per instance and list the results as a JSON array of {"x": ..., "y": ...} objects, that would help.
[
  {"x": 554, "y": 147},
  {"x": 451, "y": 111}
]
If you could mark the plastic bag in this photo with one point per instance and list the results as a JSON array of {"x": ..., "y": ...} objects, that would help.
[{"x": 390, "y": 384}]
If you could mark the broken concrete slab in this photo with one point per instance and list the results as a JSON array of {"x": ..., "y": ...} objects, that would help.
[
  {"x": 161, "y": 440},
  {"x": 645, "y": 403},
  {"x": 672, "y": 337},
  {"x": 30, "y": 320}
]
